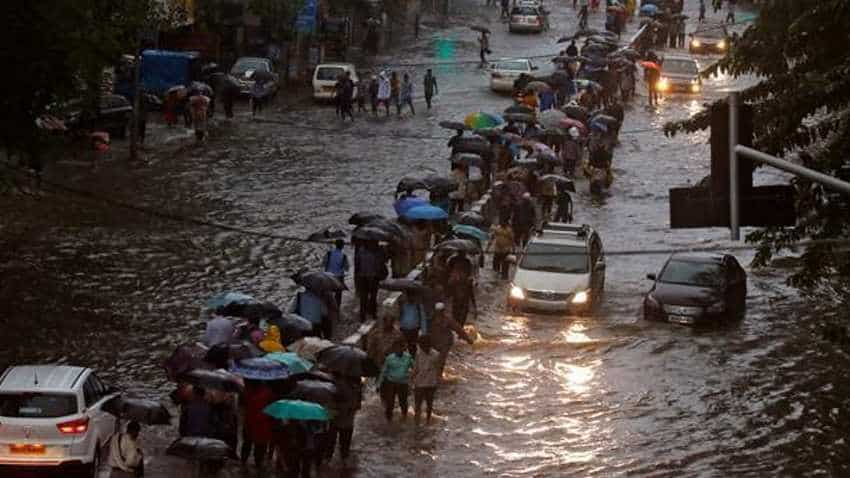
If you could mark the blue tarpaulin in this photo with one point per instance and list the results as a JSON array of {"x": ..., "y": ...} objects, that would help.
[
  {"x": 162, "y": 69},
  {"x": 305, "y": 22}
]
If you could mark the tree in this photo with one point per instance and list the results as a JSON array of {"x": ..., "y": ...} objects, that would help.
[{"x": 798, "y": 51}]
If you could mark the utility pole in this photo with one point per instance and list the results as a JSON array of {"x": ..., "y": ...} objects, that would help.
[{"x": 134, "y": 123}]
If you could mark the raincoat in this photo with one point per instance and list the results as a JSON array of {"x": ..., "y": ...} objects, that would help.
[
  {"x": 272, "y": 343},
  {"x": 258, "y": 425}
]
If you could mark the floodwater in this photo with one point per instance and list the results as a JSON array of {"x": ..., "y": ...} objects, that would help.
[{"x": 607, "y": 394}]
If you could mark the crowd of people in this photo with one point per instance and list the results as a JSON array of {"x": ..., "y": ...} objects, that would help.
[{"x": 382, "y": 91}]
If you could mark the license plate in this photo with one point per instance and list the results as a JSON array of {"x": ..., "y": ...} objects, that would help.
[
  {"x": 681, "y": 319},
  {"x": 27, "y": 449},
  {"x": 328, "y": 88}
]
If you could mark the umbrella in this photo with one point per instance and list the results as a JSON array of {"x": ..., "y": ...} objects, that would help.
[
  {"x": 567, "y": 183},
  {"x": 227, "y": 298},
  {"x": 200, "y": 449},
  {"x": 599, "y": 126},
  {"x": 292, "y": 361},
  {"x": 327, "y": 234},
  {"x": 472, "y": 218},
  {"x": 576, "y": 112},
  {"x": 371, "y": 233},
  {"x": 292, "y": 327},
  {"x": 426, "y": 213},
  {"x": 406, "y": 203},
  {"x": 146, "y": 412},
  {"x": 347, "y": 360},
  {"x": 649, "y": 9},
  {"x": 200, "y": 88},
  {"x": 478, "y": 28},
  {"x": 588, "y": 84},
  {"x": 262, "y": 76},
  {"x": 616, "y": 8},
  {"x": 489, "y": 133},
  {"x": 458, "y": 245},
  {"x": 402, "y": 285},
  {"x": 260, "y": 368},
  {"x": 185, "y": 357},
  {"x": 472, "y": 145},
  {"x": 586, "y": 32},
  {"x": 569, "y": 59},
  {"x": 319, "y": 281},
  {"x": 551, "y": 135},
  {"x": 399, "y": 234},
  {"x": 650, "y": 64},
  {"x": 471, "y": 231},
  {"x": 410, "y": 184},
  {"x": 253, "y": 310},
  {"x": 179, "y": 91},
  {"x": 296, "y": 410},
  {"x": 436, "y": 183},
  {"x": 608, "y": 120},
  {"x": 244, "y": 350},
  {"x": 454, "y": 125},
  {"x": 213, "y": 379},
  {"x": 310, "y": 347},
  {"x": 317, "y": 391},
  {"x": 361, "y": 218},
  {"x": 482, "y": 120},
  {"x": 539, "y": 148},
  {"x": 537, "y": 86},
  {"x": 519, "y": 117},
  {"x": 513, "y": 137},
  {"x": 521, "y": 109},
  {"x": 513, "y": 188},
  {"x": 467, "y": 159}
]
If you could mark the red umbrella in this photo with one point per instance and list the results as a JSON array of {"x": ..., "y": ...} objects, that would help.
[{"x": 650, "y": 64}]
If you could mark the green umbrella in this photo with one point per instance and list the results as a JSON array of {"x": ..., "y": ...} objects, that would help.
[
  {"x": 296, "y": 410},
  {"x": 293, "y": 361}
]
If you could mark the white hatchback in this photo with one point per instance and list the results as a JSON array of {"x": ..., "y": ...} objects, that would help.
[
  {"x": 325, "y": 77},
  {"x": 504, "y": 72},
  {"x": 51, "y": 416}
]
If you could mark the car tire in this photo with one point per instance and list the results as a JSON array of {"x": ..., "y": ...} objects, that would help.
[{"x": 93, "y": 469}]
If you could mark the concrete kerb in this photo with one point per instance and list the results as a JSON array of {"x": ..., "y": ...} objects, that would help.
[{"x": 390, "y": 305}]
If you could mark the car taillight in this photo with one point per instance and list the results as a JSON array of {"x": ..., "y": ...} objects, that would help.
[{"x": 74, "y": 427}]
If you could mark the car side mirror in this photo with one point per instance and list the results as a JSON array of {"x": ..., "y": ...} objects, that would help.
[{"x": 651, "y": 277}]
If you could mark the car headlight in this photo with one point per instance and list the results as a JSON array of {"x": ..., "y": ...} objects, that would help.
[
  {"x": 716, "y": 308},
  {"x": 695, "y": 87},
  {"x": 517, "y": 293},
  {"x": 721, "y": 44},
  {"x": 581, "y": 297},
  {"x": 663, "y": 84},
  {"x": 696, "y": 43}
]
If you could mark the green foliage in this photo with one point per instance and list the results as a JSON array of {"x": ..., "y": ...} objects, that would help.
[
  {"x": 798, "y": 50},
  {"x": 277, "y": 16}
]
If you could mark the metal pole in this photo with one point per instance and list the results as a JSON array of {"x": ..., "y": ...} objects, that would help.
[
  {"x": 734, "y": 199},
  {"x": 137, "y": 103},
  {"x": 795, "y": 169}
]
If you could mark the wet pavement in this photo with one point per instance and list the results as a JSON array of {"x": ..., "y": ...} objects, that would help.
[{"x": 607, "y": 394}]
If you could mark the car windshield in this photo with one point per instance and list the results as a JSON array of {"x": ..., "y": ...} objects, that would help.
[
  {"x": 681, "y": 67},
  {"x": 37, "y": 405},
  {"x": 527, "y": 11},
  {"x": 715, "y": 32},
  {"x": 329, "y": 73},
  {"x": 701, "y": 274},
  {"x": 244, "y": 64},
  {"x": 555, "y": 258},
  {"x": 516, "y": 65}
]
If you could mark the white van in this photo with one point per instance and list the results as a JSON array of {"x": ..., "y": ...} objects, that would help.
[{"x": 325, "y": 77}]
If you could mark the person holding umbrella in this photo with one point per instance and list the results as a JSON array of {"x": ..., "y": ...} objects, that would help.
[
  {"x": 370, "y": 267},
  {"x": 126, "y": 459},
  {"x": 309, "y": 304},
  {"x": 461, "y": 287},
  {"x": 502, "y": 244},
  {"x": 256, "y": 425},
  {"x": 336, "y": 263}
]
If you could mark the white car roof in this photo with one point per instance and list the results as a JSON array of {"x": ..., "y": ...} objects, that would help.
[
  {"x": 680, "y": 58},
  {"x": 558, "y": 239},
  {"x": 65, "y": 378},
  {"x": 336, "y": 65}
]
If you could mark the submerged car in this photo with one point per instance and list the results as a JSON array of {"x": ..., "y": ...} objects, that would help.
[
  {"x": 504, "y": 73},
  {"x": 325, "y": 77},
  {"x": 679, "y": 74},
  {"x": 697, "y": 289},
  {"x": 561, "y": 270},
  {"x": 247, "y": 69},
  {"x": 528, "y": 18},
  {"x": 709, "y": 39}
]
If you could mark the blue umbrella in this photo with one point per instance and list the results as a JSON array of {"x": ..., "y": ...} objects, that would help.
[
  {"x": 296, "y": 410},
  {"x": 260, "y": 368},
  {"x": 426, "y": 213},
  {"x": 599, "y": 126},
  {"x": 471, "y": 231},
  {"x": 649, "y": 9},
  {"x": 227, "y": 298},
  {"x": 294, "y": 362},
  {"x": 404, "y": 204}
]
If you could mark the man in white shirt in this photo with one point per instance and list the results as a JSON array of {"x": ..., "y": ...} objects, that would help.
[{"x": 125, "y": 453}]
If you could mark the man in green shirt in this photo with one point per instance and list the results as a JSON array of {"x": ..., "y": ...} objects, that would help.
[{"x": 393, "y": 380}]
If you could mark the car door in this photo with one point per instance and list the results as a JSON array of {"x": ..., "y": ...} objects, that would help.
[
  {"x": 598, "y": 262},
  {"x": 96, "y": 394}
]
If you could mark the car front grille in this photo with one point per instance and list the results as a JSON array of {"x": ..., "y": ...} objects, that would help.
[
  {"x": 548, "y": 295},
  {"x": 683, "y": 310}
]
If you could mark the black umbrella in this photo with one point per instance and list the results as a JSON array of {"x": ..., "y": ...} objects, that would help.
[
  {"x": 210, "y": 68},
  {"x": 586, "y": 32},
  {"x": 402, "y": 285},
  {"x": 439, "y": 184},
  {"x": 293, "y": 328},
  {"x": 467, "y": 159},
  {"x": 253, "y": 310},
  {"x": 322, "y": 392},
  {"x": 569, "y": 59},
  {"x": 607, "y": 120},
  {"x": 575, "y": 112},
  {"x": 472, "y": 145},
  {"x": 561, "y": 181},
  {"x": 519, "y": 109},
  {"x": 262, "y": 76},
  {"x": 319, "y": 281},
  {"x": 479, "y": 28},
  {"x": 519, "y": 118},
  {"x": 361, "y": 218},
  {"x": 454, "y": 125},
  {"x": 328, "y": 234},
  {"x": 400, "y": 233},
  {"x": 244, "y": 350},
  {"x": 146, "y": 412},
  {"x": 213, "y": 379},
  {"x": 371, "y": 233},
  {"x": 458, "y": 245},
  {"x": 410, "y": 184},
  {"x": 472, "y": 218},
  {"x": 489, "y": 133},
  {"x": 200, "y": 88},
  {"x": 200, "y": 449},
  {"x": 347, "y": 360},
  {"x": 185, "y": 357}
]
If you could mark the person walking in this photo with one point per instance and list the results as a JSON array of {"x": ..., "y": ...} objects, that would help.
[
  {"x": 582, "y": 15},
  {"x": 256, "y": 425},
  {"x": 572, "y": 49},
  {"x": 380, "y": 340},
  {"x": 199, "y": 105},
  {"x": 384, "y": 92},
  {"x": 701, "y": 11},
  {"x": 347, "y": 97},
  {"x": 126, "y": 459},
  {"x": 652, "y": 76},
  {"x": 395, "y": 92},
  {"x": 370, "y": 267},
  {"x": 681, "y": 32},
  {"x": 373, "y": 94},
  {"x": 338, "y": 95},
  {"x": 258, "y": 97},
  {"x": 502, "y": 244},
  {"x": 730, "y": 14},
  {"x": 412, "y": 318},
  {"x": 441, "y": 334},
  {"x": 336, "y": 263},
  {"x": 407, "y": 94},
  {"x": 424, "y": 377},
  {"x": 461, "y": 287},
  {"x": 484, "y": 48},
  {"x": 350, "y": 397},
  {"x": 309, "y": 304},
  {"x": 430, "y": 87},
  {"x": 393, "y": 380},
  {"x": 565, "y": 206},
  {"x": 524, "y": 220}
]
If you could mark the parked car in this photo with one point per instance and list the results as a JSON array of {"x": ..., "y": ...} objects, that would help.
[
  {"x": 709, "y": 39},
  {"x": 114, "y": 117},
  {"x": 504, "y": 72},
  {"x": 51, "y": 416},
  {"x": 245, "y": 69},
  {"x": 527, "y": 18},
  {"x": 679, "y": 74},
  {"x": 325, "y": 77},
  {"x": 561, "y": 270},
  {"x": 694, "y": 289}
]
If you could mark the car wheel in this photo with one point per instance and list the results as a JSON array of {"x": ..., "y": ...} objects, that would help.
[{"x": 94, "y": 468}]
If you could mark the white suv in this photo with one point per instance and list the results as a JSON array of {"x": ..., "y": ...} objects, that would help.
[
  {"x": 561, "y": 270},
  {"x": 51, "y": 416}
]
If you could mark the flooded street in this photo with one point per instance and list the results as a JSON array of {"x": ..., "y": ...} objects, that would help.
[{"x": 117, "y": 289}]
